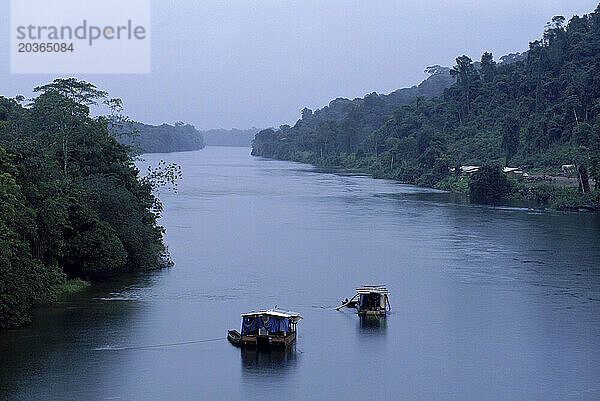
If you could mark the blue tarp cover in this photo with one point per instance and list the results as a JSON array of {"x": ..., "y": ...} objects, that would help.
[
  {"x": 250, "y": 323},
  {"x": 284, "y": 324},
  {"x": 273, "y": 325}
]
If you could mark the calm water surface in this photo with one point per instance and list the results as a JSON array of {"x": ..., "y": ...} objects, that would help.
[{"x": 487, "y": 303}]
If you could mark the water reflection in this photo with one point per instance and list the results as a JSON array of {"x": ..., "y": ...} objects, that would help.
[
  {"x": 268, "y": 361},
  {"x": 63, "y": 334},
  {"x": 372, "y": 325}
]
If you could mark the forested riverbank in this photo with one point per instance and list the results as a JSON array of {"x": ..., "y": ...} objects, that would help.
[
  {"x": 164, "y": 138},
  {"x": 182, "y": 137},
  {"x": 537, "y": 111},
  {"x": 72, "y": 202}
]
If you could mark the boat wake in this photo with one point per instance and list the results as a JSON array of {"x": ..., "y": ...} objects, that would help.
[{"x": 155, "y": 346}]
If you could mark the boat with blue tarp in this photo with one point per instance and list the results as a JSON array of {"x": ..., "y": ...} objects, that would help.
[
  {"x": 271, "y": 328},
  {"x": 369, "y": 300}
]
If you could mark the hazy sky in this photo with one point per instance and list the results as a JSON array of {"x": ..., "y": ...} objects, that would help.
[{"x": 257, "y": 63}]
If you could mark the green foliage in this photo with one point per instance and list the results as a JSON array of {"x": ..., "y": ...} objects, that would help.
[
  {"x": 78, "y": 92},
  {"x": 563, "y": 198},
  {"x": 489, "y": 185},
  {"x": 454, "y": 183},
  {"x": 24, "y": 280},
  {"x": 71, "y": 201},
  {"x": 536, "y": 111},
  {"x": 163, "y": 175},
  {"x": 467, "y": 81},
  {"x": 73, "y": 285}
]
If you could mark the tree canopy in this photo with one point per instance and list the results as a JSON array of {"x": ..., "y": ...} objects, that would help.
[{"x": 72, "y": 203}]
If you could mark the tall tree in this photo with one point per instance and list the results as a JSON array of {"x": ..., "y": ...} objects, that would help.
[
  {"x": 66, "y": 101},
  {"x": 466, "y": 78},
  {"x": 488, "y": 66},
  {"x": 510, "y": 137}
]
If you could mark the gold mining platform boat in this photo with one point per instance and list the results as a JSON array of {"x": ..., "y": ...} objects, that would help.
[
  {"x": 373, "y": 300},
  {"x": 269, "y": 328}
]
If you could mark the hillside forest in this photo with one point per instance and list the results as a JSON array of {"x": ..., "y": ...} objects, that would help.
[{"x": 536, "y": 111}]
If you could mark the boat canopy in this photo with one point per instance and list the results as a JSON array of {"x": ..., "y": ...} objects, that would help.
[
  {"x": 372, "y": 289},
  {"x": 273, "y": 320},
  {"x": 293, "y": 316}
]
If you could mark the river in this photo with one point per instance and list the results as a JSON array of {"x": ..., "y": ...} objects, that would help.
[{"x": 488, "y": 303}]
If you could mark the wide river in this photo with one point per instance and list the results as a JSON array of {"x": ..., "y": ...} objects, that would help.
[{"x": 487, "y": 303}]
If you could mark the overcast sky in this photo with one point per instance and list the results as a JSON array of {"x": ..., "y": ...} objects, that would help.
[{"x": 244, "y": 63}]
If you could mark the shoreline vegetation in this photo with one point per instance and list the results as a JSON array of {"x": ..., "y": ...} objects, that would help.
[
  {"x": 163, "y": 138},
  {"x": 543, "y": 193},
  {"x": 537, "y": 112},
  {"x": 74, "y": 208},
  {"x": 72, "y": 286}
]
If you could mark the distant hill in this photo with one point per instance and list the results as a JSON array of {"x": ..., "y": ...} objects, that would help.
[
  {"x": 230, "y": 137},
  {"x": 374, "y": 109},
  {"x": 164, "y": 138},
  {"x": 344, "y": 124}
]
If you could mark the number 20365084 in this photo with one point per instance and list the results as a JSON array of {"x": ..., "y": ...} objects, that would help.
[{"x": 26, "y": 47}]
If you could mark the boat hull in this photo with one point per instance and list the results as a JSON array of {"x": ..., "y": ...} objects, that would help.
[
  {"x": 372, "y": 312},
  {"x": 267, "y": 341}
]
